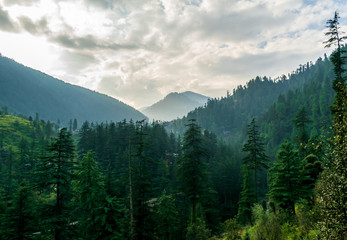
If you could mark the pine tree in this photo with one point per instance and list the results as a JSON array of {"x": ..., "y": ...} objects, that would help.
[
  {"x": 191, "y": 167},
  {"x": 56, "y": 172},
  {"x": 90, "y": 193},
  {"x": 101, "y": 216},
  {"x": 332, "y": 185},
  {"x": 142, "y": 185},
  {"x": 286, "y": 179},
  {"x": 86, "y": 139},
  {"x": 256, "y": 158},
  {"x": 166, "y": 217},
  {"x": 18, "y": 220},
  {"x": 248, "y": 197},
  {"x": 301, "y": 122}
]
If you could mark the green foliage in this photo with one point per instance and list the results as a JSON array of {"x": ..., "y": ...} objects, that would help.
[
  {"x": 112, "y": 218},
  {"x": 286, "y": 179},
  {"x": 232, "y": 229},
  {"x": 253, "y": 162},
  {"x": 331, "y": 201},
  {"x": 55, "y": 173},
  {"x": 91, "y": 195},
  {"x": 256, "y": 158},
  {"x": 331, "y": 187},
  {"x": 247, "y": 199},
  {"x": 191, "y": 167},
  {"x": 301, "y": 122},
  {"x": 18, "y": 220},
  {"x": 197, "y": 230},
  {"x": 312, "y": 167},
  {"x": 13, "y": 129},
  {"x": 166, "y": 217},
  {"x": 267, "y": 225}
]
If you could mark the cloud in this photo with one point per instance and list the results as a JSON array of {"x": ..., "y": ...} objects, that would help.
[
  {"x": 35, "y": 28},
  {"x": 6, "y": 23},
  {"x": 88, "y": 42},
  {"x": 20, "y": 2},
  {"x": 110, "y": 84},
  {"x": 139, "y": 51},
  {"x": 73, "y": 62},
  {"x": 101, "y": 3}
]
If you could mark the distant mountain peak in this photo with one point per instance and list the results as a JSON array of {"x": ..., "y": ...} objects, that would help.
[{"x": 174, "y": 105}]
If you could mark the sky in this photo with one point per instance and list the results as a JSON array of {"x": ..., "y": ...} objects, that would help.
[{"x": 138, "y": 51}]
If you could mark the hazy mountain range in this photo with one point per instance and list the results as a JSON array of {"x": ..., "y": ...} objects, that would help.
[
  {"x": 27, "y": 91},
  {"x": 174, "y": 105}
]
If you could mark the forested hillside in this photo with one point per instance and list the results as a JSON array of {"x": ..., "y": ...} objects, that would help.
[
  {"x": 274, "y": 103},
  {"x": 112, "y": 173},
  {"x": 27, "y": 91}
]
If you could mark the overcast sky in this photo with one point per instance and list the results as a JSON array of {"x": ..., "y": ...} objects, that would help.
[{"x": 138, "y": 51}]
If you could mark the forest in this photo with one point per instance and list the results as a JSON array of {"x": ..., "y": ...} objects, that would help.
[{"x": 237, "y": 168}]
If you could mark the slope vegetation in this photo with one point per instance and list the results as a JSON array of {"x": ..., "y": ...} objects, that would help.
[{"x": 274, "y": 103}]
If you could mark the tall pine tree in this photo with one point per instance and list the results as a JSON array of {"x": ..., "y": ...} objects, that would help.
[
  {"x": 256, "y": 159},
  {"x": 286, "y": 179},
  {"x": 332, "y": 186},
  {"x": 55, "y": 174},
  {"x": 191, "y": 167}
]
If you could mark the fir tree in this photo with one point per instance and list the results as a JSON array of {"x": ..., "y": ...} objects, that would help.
[
  {"x": 301, "y": 122},
  {"x": 18, "y": 221},
  {"x": 332, "y": 186},
  {"x": 248, "y": 197},
  {"x": 286, "y": 179},
  {"x": 101, "y": 216},
  {"x": 90, "y": 193},
  {"x": 166, "y": 217},
  {"x": 142, "y": 185},
  {"x": 191, "y": 167},
  {"x": 56, "y": 172},
  {"x": 256, "y": 158}
]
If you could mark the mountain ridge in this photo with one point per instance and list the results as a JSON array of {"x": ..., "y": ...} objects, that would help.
[
  {"x": 28, "y": 91},
  {"x": 174, "y": 105}
]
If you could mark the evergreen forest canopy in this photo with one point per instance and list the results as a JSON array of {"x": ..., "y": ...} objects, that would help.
[{"x": 211, "y": 176}]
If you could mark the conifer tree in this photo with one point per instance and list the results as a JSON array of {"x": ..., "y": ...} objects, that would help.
[
  {"x": 256, "y": 158},
  {"x": 90, "y": 193},
  {"x": 332, "y": 186},
  {"x": 56, "y": 172},
  {"x": 286, "y": 179},
  {"x": 86, "y": 139},
  {"x": 191, "y": 167},
  {"x": 166, "y": 217},
  {"x": 300, "y": 123},
  {"x": 18, "y": 220},
  {"x": 247, "y": 197},
  {"x": 101, "y": 216},
  {"x": 142, "y": 185}
]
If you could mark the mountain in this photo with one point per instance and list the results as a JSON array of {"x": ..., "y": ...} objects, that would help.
[
  {"x": 27, "y": 91},
  {"x": 274, "y": 104},
  {"x": 175, "y": 105}
]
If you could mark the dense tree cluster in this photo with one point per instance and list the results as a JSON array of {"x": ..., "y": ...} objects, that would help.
[{"x": 120, "y": 180}]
